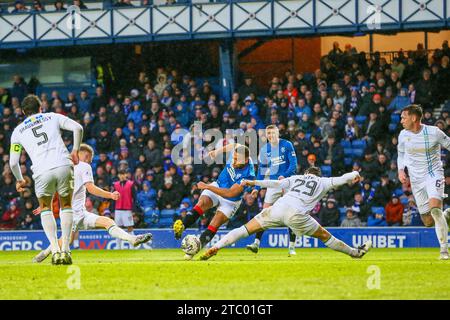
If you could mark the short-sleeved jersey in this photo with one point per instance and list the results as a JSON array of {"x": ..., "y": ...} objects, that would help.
[
  {"x": 82, "y": 174},
  {"x": 303, "y": 192},
  {"x": 230, "y": 176},
  {"x": 40, "y": 136},
  {"x": 277, "y": 161},
  {"x": 422, "y": 151}
]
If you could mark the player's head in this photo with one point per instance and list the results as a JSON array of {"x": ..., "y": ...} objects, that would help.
[
  {"x": 241, "y": 156},
  {"x": 411, "y": 116},
  {"x": 31, "y": 104},
  {"x": 85, "y": 153},
  {"x": 122, "y": 175},
  {"x": 314, "y": 171},
  {"x": 272, "y": 134}
]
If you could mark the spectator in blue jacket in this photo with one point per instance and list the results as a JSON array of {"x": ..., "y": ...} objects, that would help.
[
  {"x": 136, "y": 114},
  {"x": 376, "y": 220},
  {"x": 399, "y": 102},
  {"x": 147, "y": 199}
]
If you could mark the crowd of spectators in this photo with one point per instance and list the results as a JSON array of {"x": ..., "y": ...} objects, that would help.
[{"x": 353, "y": 100}]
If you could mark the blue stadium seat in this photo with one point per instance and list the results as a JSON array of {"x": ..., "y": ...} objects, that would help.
[
  {"x": 376, "y": 184},
  {"x": 398, "y": 192},
  {"x": 346, "y": 144},
  {"x": 404, "y": 201},
  {"x": 358, "y": 153},
  {"x": 359, "y": 144},
  {"x": 395, "y": 118},
  {"x": 342, "y": 210},
  {"x": 392, "y": 127},
  {"x": 348, "y": 152},
  {"x": 379, "y": 210},
  {"x": 348, "y": 161},
  {"x": 326, "y": 171},
  {"x": 308, "y": 136},
  {"x": 360, "y": 119}
]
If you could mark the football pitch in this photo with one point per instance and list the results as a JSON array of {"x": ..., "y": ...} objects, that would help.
[{"x": 233, "y": 274}]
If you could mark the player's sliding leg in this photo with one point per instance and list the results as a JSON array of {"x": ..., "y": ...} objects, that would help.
[
  {"x": 335, "y": 244},
  {"x": 254, "y": 247},
  {"x": 292, "y": 238},
  {"x": 49, "y": 225},
  {"x": 204, "y": 203},
  {"x": 232, "y": 237},
  {"x": 119, "y": 233}
]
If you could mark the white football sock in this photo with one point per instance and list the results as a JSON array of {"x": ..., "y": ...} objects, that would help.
[
  {"x": 76, "y": 243},
  {"x": 232, "y": 237},
  {"x": 257, "y": 242},
  {"x": 441, "y": 227},
  {"x": 49, "y": 225},
  {"x": 291, "y": 244},
  {"x": 121, "y": 234},
  {"x": 66, "y": 217},
  {"x": 340, "y": 246}
]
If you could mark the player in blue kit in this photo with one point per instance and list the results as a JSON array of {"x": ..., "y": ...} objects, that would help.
[
  {"x": 225, "y": 194},
  {"x": 277, "y": 160}
]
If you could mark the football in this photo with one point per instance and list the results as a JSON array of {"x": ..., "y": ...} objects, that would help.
[{"x": 190, "y": 244}]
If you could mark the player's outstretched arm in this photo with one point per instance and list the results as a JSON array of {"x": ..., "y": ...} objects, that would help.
[
  {"x": 234, "y": 191},
  {"x": 353, "y": 177},
  {"x": 228, "y": 148},
  {"x": 443, "y": 139},
  {"x": 96, "y": 191},
  {"x": 277, "y": 184}
]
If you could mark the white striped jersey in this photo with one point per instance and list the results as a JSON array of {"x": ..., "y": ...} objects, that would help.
[{"x": 421, "y": 152}]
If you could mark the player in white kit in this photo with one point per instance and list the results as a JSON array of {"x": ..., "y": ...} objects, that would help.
[
  {"x": 40, "y": 135},
  {"x": 83, "y": 219},
  {"x": 302, "y": 193},
  {"x": 419, "y": 151}
]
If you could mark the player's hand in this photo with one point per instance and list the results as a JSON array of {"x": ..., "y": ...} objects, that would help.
[
  {"x": 212, "y": 154},
  {"x": 254, "y": 194},
  {"x": 356, "y": 179},
  {"x": 245, "y": 183},
  {"x": 37, "y": 211},
  {"x": 115, "y": 195},
  {"x": 20, "y": 185},
  {"x": 402, "y": 176},
  {"x": 74, "y": 156},
  {"x": 201, "y": 185},
  {"x": 280, "y": 178}
]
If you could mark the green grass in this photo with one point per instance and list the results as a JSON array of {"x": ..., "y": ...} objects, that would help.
[{"x": 233, "y": 274}]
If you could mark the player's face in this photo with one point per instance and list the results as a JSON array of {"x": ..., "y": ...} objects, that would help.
[
  {"x": 407, "y": 120},
  {"x": 273, "y": 135},
  {"x": 85, "y": 157},
  {"x": 239, "y": 161}
]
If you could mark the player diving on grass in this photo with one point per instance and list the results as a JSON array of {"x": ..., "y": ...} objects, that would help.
[
  {"x": 419, "y": 153},
  {"x": 83, "y": 219},
  {"x": 302, "y": 193},
  {"x": 40, "y": 135},
  {"x": 225, "y": 194},
  {"x": 277, "y": 160}
]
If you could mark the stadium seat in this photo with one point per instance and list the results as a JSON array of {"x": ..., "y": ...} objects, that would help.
[
  {"x": 376, "y": 184},
  {"x": 348, "y": 161},
  {"x": 360, "y": 119},
  {"x": 404, "y": 201},
  {"x": 398, "y": 192},
  {"x": 357, "y": 153},
  {"x": 326, "y": 171},
  {"x": 379, "y": 210},
  {"x": 395, "y": 118},
  {"x": 346, "y": 144},
  {"x": 359, "y": 144},
  {"x": 392, "y": 127},
  {"x": 348, "y": 152}
]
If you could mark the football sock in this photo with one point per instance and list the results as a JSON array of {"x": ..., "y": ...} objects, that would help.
[
  {"x": 231, "y": 237},
  {"x": 121, "y": 234},
  {"x": 207, "y": 235},
  {"x": 441, "y": 228},
  {"x": 292, "y": 238},
  {"x": 340, "y": 246},
  {"x": 192, "y": 216},
  {"x": 76, "y": 243},
  {"x": 258, "y": 238},
  {"x": 66, "y": 217},
  {"x": 49, "y": 226}
]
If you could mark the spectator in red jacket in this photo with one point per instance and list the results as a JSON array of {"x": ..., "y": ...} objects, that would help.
[
  {"x": 394, "y": 211},
  {"x": 11, "y": 216}
]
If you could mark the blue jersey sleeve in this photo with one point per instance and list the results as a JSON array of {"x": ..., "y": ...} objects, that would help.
[{"x": 292, "y": 158}]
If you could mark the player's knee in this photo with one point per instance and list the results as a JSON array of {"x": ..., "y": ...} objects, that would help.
[{"x": 427, "y": 220}]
